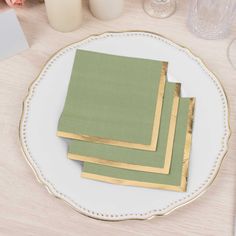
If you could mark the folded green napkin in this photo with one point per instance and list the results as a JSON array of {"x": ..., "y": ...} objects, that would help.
[
  {"x": 114, "y": 100},
  {"x": 152, "y": 161},
  {"x": 175, "y": 180}
]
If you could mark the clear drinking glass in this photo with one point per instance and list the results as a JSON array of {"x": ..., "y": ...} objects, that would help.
[
  {"x": 159, "y": 8},
  {"x": 211, "y": 19},
  {"x": 231, "y": 53}
]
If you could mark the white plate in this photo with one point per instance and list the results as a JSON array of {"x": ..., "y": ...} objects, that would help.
[{"x": 47, "y": 153}]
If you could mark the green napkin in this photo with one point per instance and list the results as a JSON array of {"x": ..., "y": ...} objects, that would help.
[
  {"x": 175, "y": 180},
  {"x": 114, "y": 100},
  {"x": 157, "y": 161}
]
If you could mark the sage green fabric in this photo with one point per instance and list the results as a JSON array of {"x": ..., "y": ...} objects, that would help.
[
  {"x": 133, "y": 156},
  {"x": 174, "y": 176},
  {"x": 111, "y": 97}
]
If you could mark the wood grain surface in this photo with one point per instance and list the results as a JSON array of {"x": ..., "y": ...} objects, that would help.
[{"x": 26, "y": 208}]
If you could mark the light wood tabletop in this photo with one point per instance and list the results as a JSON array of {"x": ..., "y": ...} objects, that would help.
[{"x": 26, "y": 208}]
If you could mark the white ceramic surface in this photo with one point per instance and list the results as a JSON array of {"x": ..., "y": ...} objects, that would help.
[{"x": 47, "y": 153}]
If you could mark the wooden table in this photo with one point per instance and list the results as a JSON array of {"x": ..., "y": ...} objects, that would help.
[{"x": 26, "y": 208}]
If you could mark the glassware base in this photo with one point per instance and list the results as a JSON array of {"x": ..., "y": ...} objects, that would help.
[
  {"x": 159, "y": 9},
  {"x": 211, "y": 19},
  {"x": 206, "y": 33}
]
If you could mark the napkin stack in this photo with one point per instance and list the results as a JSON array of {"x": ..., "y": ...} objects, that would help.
[{"x": 126, "y": 122}]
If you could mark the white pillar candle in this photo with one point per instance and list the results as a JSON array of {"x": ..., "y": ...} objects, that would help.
[
  {"x": 64, "y": 15},
  {"x": 106, "y": 9}
]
